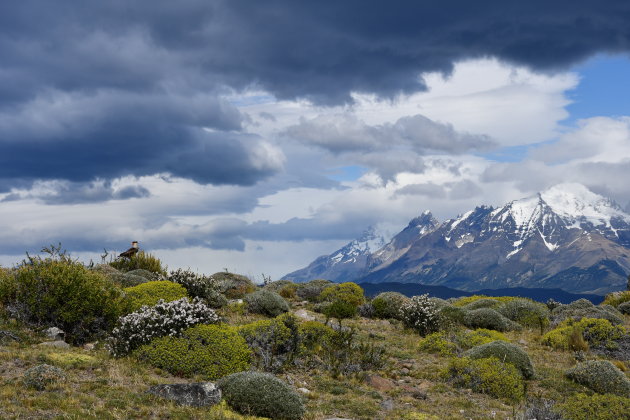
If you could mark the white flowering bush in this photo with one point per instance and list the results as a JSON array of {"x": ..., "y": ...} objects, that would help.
[
  {"x": 421, "y": 314},
  {"x": 164, "y": 319},
  {"x": 199, "y": 285}
]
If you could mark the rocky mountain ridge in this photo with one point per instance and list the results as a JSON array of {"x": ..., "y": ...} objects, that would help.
[{"x": 565, "y": 237}]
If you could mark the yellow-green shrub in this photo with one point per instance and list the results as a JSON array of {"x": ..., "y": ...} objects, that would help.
[
  {"x": 347, "y": 292},
  {"x": 149, "y": 293},
  {"x": 273, "y": 342},
  {"x": 142, "y": 260},
  {"x": 595, "y": 407},
  {"x": 478, "y": 337},
  {"x": 487, "y": 376},
  {"x": 438, "y": 343},
  {"x": 593, "y": 330},
  {"x": 617, "y": 298},
  {"x": 212, "y": 351},
  {"x": 313, "y": 334},
  {"x": 469, "y": 299},
  {"x": 58, "y": 291}
]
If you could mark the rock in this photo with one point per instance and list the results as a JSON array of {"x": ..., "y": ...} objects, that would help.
[
  {"x": 195, "y": 394},
  {"x": 59, "y": 344},
  {"x": 405, "y": 371},
  {"x": 302, "y": 313},
  {"x": 522, "y": 342},
  {"x": 54, "y": 333},
  {"x": 387, "y": 405},
  {"x": 379, "y": 383},
  {"x": 90, "y": 346},
  {"x": 304, "y": 391},
  {"x": 8, "y": 335}
]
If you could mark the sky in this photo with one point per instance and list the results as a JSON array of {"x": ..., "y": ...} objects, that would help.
[{"x": 255, "y": 136}]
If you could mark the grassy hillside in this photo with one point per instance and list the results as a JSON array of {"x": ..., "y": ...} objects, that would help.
[{"x": 387, "y": 358}]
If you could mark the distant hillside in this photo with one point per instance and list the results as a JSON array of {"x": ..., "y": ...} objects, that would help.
[{"x": 540, "y": 295}]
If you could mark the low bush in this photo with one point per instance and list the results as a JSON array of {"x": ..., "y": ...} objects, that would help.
[
  {"x": 451, "y": 315},
  {"x": 276, "y": 286},
  {"x": 212, "y": 351},
  {"x": 601, "y": 376},
  {"x": 595, "y": 407},
  {"x": 56, "y": 291},
  {"x": 463, "y": 301},
  {"x": 233, "y": 286},
  {"x": 387, "y": 305},
  {"x": 540, "y": 408},
  {"x": 366, "y": 310},
  {"x": 261, "y": 394},
  {"x": 482, "y": 303},
  {"x": 506, "y": 352},
  {"x": 593, "y": 330},
  {"x": 489, "y": 319},
  {"x": 164, "y": 318},
  {"x": 274, "y": 342},
  {"x": 438, "y": 343},
  {"x": 421, "y": 314},
  {"x": 624, "y": 308},
  {"x": 583, "y": 308},
  {"x": 488, "y": 376},
  {"x": 148, "y": 294},
  {"x": 311, "y": 290},
  {"x": 343, "y": 353},
  {"x": 469, "y": 339},
  {"x": 314, "y": 334},
  {"x": 200, "y": 286},
  {"x": 266, "y": 302},
  {"x": 341, "y": 301},
  {"x": 617, "y": 298},
  {"x": 142, "y": 260},
  {"x": 526, "y": 312},
  {"x": 41, "y": 377}
]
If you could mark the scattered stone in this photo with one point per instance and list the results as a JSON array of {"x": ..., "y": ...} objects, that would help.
[
  {"x": 304, "y": 391},
  {"x": 379, "y": 383},
  {"x": 7, "y": 335},
  {"x": 198, "y": 394},
  {"x": 302, "y": 313},
  {"x": 405, "y": 371},
  {"x": 55, "y": 334},
  {"x": 407, "y": 366},
  {"x": 59, "y": 344},
  {"x": 90, "y": 346},
  {"x": 41, "y": 376},
  {"x": 522, "y": 342},
  {"x": 387, "y": 405}
]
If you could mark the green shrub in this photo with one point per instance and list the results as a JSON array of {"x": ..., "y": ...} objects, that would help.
[
  {"x": 313, "y": 334},
  {"x": 274, "y": 342},
  {"x": 347, "y": 292},
  {"x": 261, "y": 394},
  {"x": 489, "y": 319},
  {"x": 212, "y": 351},
  {"x": 142, "y": 260},
  {"x": 438, "y": 343},
  {"x": 233, "y": 286},
  {"x": 57, "y": 291},
  {"x": 311, "y": 290},
  {"x": 266, "y": 302},
  {"x": 463, "y": 301},
  {"x": 41, "y": 377},
  {"x": 526, "y": 312},
  {"x": 506, "y": 352},
  {"x": 583, "y": 308},
  {"x": 341, "y": 301},
  {"x": 624, "y": 308},
  {"x": 342, "y": 352},
  {"x": 593, "y": 330},
  {"x": 617, "y": 298},
  {"x": 387, "y": 305},
  {"x": 469, "y": 339},
  {"x": 482, "y": 303},
  {"x": 601, "y": 376},
  {"x": 148, "y": 294},
  {"x": 488, "y": 376},
  {"x": 595, "y": 407},
  {"x": 276, "y": 286},
  {"x": 451, "y": 315}
]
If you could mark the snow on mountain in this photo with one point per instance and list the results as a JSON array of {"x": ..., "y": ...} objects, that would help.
[{"x": 565, "y": 237}]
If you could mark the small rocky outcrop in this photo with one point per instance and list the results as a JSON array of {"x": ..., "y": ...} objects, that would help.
[{"x": 198, "y": 394}]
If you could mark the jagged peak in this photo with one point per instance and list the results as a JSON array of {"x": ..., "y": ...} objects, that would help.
[{"x": 425, "y": 219}]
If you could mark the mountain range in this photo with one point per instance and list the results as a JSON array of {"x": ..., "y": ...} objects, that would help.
[{"x": 565, "y": 237}]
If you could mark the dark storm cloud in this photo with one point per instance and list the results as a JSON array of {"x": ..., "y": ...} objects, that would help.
[{"x": 103, "y": 89}]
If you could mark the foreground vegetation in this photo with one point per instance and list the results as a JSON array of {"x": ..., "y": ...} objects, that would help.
[{"x": 296, "y": 351}]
